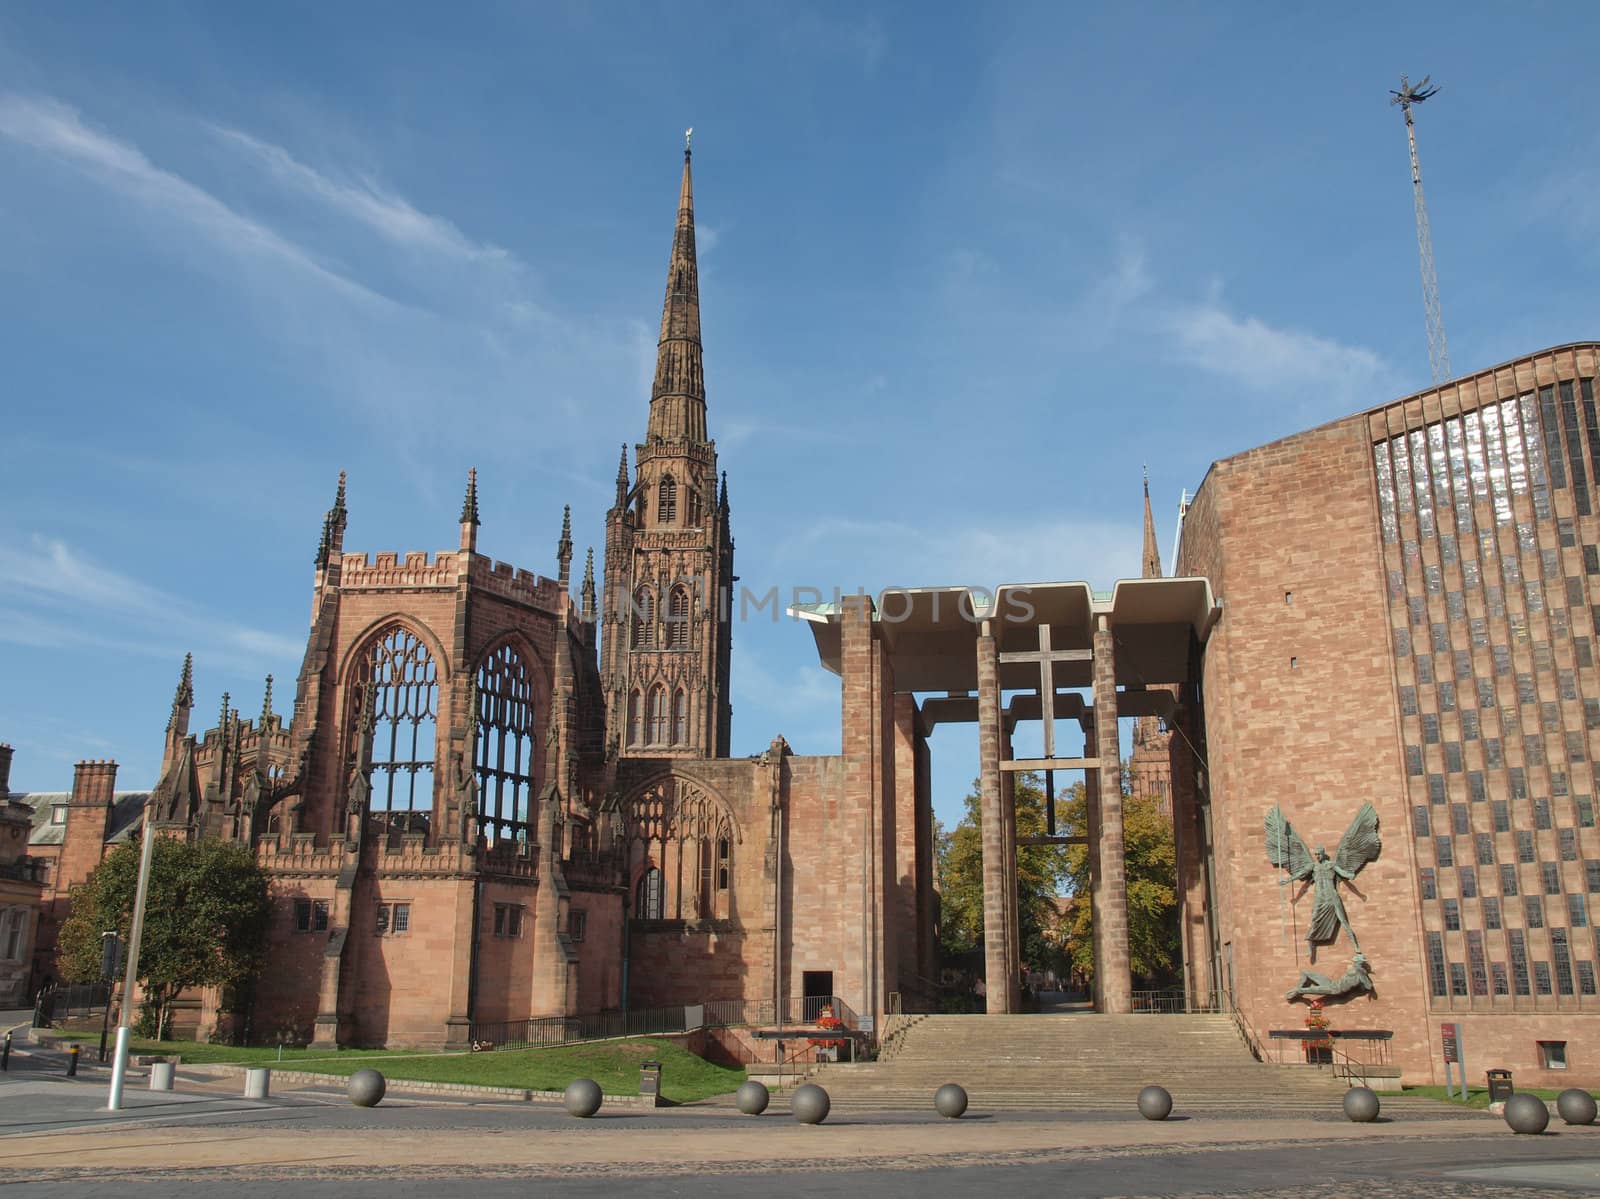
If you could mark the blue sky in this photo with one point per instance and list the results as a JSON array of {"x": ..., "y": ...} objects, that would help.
[{"x": 963, "y": 271}]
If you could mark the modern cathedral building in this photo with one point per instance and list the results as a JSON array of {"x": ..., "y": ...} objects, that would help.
[{"x": 1368, "y": 698}]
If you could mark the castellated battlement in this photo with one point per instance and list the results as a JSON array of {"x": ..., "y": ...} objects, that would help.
[
  {"x": 510, "y": 582},
  {"x": 505, "y": 859},
  {"x": 418, "y": 569}
]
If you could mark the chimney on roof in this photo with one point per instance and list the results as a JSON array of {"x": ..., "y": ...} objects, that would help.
[{"x": 5, "y": 771}]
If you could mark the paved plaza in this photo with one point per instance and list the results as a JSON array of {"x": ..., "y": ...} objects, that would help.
[{"x": 55, "y": 1136}]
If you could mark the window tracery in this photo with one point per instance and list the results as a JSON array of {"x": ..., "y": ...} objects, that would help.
[
  {"x": 680, "y": 718},
  {"x": 397, "y": 676},
  {"x": 678, "y": 618},
  {"x": 658, "y": 715},
  {"x": 644, "y": 619},
  {"x": 505, "y": 755},
  {"x": 686, "y": 835},
  {"x": 667, "y": 501}
]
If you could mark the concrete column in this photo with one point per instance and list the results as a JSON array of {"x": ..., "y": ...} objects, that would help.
[
  {"x": 1091, "y": 793},
  {"x": 1008, "y": 807},
  {"x": 1111, "y": 913},
  {"x": 998, "y": 970}
]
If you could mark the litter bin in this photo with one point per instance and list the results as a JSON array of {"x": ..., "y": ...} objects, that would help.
[
  {"x": 650, "y": 1079},
  {"x": 1499, "y": 1086}
]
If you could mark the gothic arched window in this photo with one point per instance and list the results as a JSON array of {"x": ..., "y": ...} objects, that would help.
[
  {"x": 647, "y": 896},
  {"x": 678, "y": 618},
  {"x": 658, "y": 715},
  {"x": 694, "y": 503},
  {"x": 680, "y": 718},
  {"x": 644, "y": 619},
  {"x": 667, "y": 501},
  {"x": 505, "y": 746},
  {"x": 398, "y": 678},
  {"x": 635, "y": 719}
]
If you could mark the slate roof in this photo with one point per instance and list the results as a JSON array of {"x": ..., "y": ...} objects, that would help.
[{"x": 127, "y": 807}]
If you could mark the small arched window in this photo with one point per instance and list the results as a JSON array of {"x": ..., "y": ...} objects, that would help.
[
  {"x": 658, "y": 715},
  {"x": 678, "y": 618},
  {"x": 644, "y": 619},
  {"x": 647, "y": 895},
  {"x": 680, "y": 718},
  {"x": 667, "y": 501},
  {"x": 724, "y": 858},
  {"x": 635, "y": 719}
]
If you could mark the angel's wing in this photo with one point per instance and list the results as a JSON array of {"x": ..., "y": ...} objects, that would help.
[
  {"x": 1284, "y": 846},
  {"x": 1360, "y": 844}
]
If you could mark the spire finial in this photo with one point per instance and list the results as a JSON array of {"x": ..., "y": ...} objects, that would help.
[
  {"x": 338, "y": 498},
  {"x": 266, "y": 705},
  {"x": 622, "y": 477},
  {"x": 183, "y": 697},
  {"x": 588, "y": 607},
  {"x": 564, "y": 547},
  {"x": 469, "y": 505},
  {"x": 687, "y": 134},
  {"x": 222, "y": 719},
  {"x": 722, "y": 500}
]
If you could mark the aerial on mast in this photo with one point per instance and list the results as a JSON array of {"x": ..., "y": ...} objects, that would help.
[{"x": 1438, "y": 351}]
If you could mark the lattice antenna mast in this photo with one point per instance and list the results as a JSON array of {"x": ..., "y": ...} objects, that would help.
[{"x": 1438, "y": 351}]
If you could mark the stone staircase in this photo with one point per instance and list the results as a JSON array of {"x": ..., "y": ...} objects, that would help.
[{"x": 1077, "y": 1062}]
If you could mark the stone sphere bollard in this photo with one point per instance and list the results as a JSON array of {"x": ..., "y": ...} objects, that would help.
[
  {"x": 366, "y": 1087},
  {"x": 1155, "y": 1103},
  {"x": 753, "y": 1097},
  {"x": 1361, "y": 1105},
  {"x": 582, "y": 1097},
  {"x": 1527, "y": 1113},
  {"x": 950, "y": 1101},
  {"x": 810, "y": 1104},
  {"x": 1575, "y": 1106}
]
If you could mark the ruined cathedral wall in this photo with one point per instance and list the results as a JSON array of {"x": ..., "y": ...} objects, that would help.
[{"x": 399, "y": 984}]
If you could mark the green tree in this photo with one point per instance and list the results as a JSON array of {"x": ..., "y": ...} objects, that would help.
[
  {"x": 1153, "y": 946},
  {"x": 1042, "y": 870},
  {"x": 205, "y": 919}
]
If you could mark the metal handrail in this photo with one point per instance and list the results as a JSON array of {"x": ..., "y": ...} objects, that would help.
[{"x": 1242, "y": 1023}]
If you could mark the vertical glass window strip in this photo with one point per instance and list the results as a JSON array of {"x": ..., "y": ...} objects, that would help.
[
  {"x": 1541, "y": 978},
  {"x": 1508, "y": 880},
  {"x": 1568, "y": 839},
  {"x": 1452, "y": 915},
  {"x": 1591, "y": 874},
  {"x": 1469, "y": 882},
  {"x": 1419, "y": 820},
  {"x": 1436, "y": 981},
  {"x": 1577, "y": 911},
  {"x": 1550, "y": 446},
  {"x": 1586, "y": 394},
  {"x": 1519, "y": 961},
  {"x": 1551, "y": 876},
  {"x": 1585, "y": 811},
  {"x": 1585, "y": 978},
  {"x": 1414, "y": 760},
  {"x": 1402, "y": 474},
  {"x": 1574, "y": 441},
  {"x": 1458, "y": 979},
  {"x": 505, "y": 746},
  {"x": 1461, "y": 488},
  {"x": 1497, "y": 972},
  {"x": 1442, "y": 851},
  {"x": 1475, "y": 961},
  {"x": 1533, "y": 911},
  {"x": 1485, "y": 847},
  {"x": 1502, "y": 816},
  {"x": 1541, "y": 813},
  {"x": 1430, "y": 888},
  {"x": 1497, "y": 476},
  {"x": 1524, "y": 846},
  {"x": 1386, "y": 506},
  {"x": 1491, "y": 912},
  {"x": 1460, "y": 821}
]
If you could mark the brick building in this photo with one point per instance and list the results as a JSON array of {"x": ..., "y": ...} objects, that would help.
[{"x": 1412, "y": 598}]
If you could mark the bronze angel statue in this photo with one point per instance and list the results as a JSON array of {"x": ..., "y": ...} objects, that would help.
[{"x": 1357, "y": 847}]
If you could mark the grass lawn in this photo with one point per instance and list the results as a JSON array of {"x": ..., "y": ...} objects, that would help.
[
  {"x": 612, "y": 1064},
  {"x": 1478, "y": 1096}
]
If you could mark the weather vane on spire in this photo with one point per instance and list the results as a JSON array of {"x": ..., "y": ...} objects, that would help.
[{"x": 687, "y": 134}]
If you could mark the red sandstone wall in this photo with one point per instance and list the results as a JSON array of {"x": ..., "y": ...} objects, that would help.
[{"x": 1300, "y": 712}]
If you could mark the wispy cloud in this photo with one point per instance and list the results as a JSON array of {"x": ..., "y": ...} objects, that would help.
[
  {"x": 57, "y": 130},
  {"x": 1253, "y": 352},
  {"x": 60, "y": 597},
  {"x": 364, "y": 200}
]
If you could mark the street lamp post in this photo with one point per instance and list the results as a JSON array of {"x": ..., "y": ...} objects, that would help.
[{"x": 119, "y": 1066}]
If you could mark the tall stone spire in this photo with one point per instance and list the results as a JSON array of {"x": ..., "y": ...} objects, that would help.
[
  {"x": 1152, "y": 552},
  {"x": 266, "y": 706},
  {"x": 332, "y": 544},
  {"x": 678, "y": 396}
]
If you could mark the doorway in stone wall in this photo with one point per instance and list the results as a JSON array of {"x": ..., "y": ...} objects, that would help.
[{"x": 817, "y": 990}]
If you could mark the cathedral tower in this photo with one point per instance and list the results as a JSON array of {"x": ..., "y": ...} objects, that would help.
[{"x": 669, "y": 552}]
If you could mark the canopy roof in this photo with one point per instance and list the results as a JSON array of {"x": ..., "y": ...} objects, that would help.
[{"x": 931, "y": 632}]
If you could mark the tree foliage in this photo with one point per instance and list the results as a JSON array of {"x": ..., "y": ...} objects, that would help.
[
  {"x": 1045, "y": 872},
  {"x": 1153, "y": 946},
  {"x": 205, "y": 918},
  {"x": 1042, "y": 870}
]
